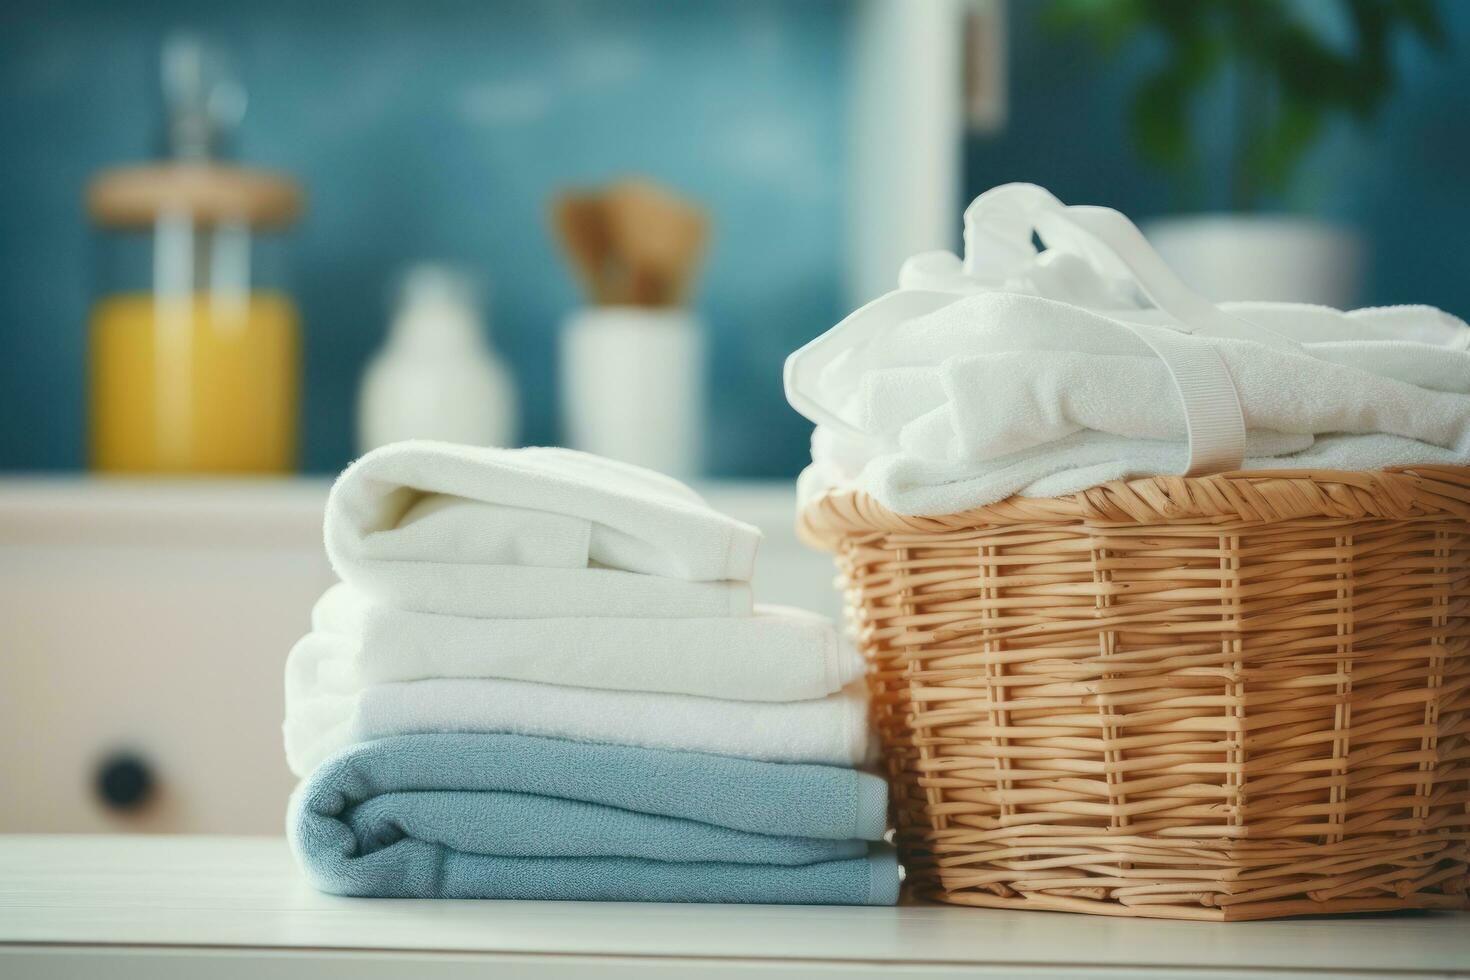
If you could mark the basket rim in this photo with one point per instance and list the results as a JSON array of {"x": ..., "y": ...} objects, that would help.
[{"x": 1251, "y": 496}]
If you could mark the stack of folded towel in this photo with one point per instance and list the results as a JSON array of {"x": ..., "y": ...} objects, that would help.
[
  {"x": 1018, "y": 371},
  {"x": 542, "y": 676}
]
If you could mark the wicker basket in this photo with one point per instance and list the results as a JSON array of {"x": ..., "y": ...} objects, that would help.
[{"x": 1232, "y": 697}]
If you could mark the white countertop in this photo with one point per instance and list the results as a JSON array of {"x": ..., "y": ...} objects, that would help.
[{"x": 214, "y": 898}]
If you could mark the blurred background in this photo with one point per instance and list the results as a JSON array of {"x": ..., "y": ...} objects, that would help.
[
  {"x": 442, "y": 130},
  {"x": 241, "y": 243}
]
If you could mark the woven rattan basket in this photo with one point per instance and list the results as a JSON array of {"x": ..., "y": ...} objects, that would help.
[{"x": 1231, "y": 697}]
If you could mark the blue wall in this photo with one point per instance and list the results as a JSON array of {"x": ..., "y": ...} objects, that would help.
[{"x": 439, "y": 129}]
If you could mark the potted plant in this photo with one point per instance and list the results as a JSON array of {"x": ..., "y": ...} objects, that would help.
[{"x": 1283, "y": 78}]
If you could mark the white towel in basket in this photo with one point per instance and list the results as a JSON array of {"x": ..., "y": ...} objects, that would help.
[
  {"x": 1048, "y": 373},
  {"x": 911, "y": 486},
  {"x": 1008, "y": 401}
]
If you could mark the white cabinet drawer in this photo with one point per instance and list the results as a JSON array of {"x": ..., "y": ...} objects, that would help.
[{"x": 150, "y": 620}]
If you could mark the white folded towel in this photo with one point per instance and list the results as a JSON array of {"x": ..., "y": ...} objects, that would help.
[
  {"x": 778, "y": 654},
  {"x": 829, "y": 731},
  {"x": 531, "y": 592},
  {"x": 535, "y": 532}
]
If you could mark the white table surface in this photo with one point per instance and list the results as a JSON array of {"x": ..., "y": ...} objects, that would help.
[{"x": 222, "y": 906}]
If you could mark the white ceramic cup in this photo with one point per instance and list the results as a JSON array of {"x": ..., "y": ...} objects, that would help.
[{"x": 632, "y": 386}]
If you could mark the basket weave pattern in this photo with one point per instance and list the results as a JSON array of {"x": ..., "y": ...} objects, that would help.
[{"x": 1232, "y": 697}]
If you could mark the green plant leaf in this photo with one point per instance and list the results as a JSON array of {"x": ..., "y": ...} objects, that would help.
[{"x": 1288, "y": 79}]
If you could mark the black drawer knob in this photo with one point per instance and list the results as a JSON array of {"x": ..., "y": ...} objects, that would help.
[{"x": 124, "y": 782}]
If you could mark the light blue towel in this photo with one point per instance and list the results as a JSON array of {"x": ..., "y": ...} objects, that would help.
[
  {"x": 512, "y": 816},
  {"x": 517, "y": 825}
]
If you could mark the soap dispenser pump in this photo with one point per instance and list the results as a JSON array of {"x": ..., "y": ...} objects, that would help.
[{"x": 437, "y": 376}]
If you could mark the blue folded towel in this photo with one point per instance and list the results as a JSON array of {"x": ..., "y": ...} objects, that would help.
[{"x": 514, "y": 816}]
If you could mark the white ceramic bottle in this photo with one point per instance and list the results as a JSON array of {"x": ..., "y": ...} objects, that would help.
[{"x": 437, "y": 376}]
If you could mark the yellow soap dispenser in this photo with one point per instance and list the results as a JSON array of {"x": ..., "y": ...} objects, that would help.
[{"x": 194, "y": 347}]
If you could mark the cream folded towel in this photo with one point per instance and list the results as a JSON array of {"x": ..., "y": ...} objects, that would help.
[
  {"x": 465, "y": 530},
  {"x": 828, "y": 731},
  {"x": 778, "y": 654}
]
